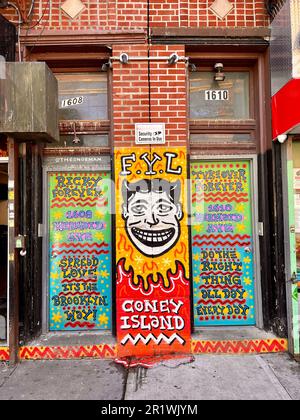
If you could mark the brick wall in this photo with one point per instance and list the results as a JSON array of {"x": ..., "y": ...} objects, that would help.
[
  {"x": 130, "y": 82},
  {"x": 128, "y": 14},
  {"x": 131, "y": 94}
]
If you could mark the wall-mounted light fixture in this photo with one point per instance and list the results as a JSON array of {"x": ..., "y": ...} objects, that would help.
[
  {"x": 173, "y": 59},
  {"x": 124, "y": 58},
  {"x": 192, "y": 67},
  {"x": 106, "y": 66},
  {"x": 219, "y": 75}
]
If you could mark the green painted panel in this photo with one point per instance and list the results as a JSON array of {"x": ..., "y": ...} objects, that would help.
[
  {"x": 222, "y": 239},
  {"x": 79, "y": 251}
]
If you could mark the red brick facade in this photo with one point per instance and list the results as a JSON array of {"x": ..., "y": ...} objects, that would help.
[
  {"x": 124, "y": 14},
  {"x": 131, "y": 86},
  {"x": 150, "y": 89},
  {"x": 131, "y": 83}
]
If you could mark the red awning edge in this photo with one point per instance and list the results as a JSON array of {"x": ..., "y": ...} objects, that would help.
[{"x": 286, "y": 108}]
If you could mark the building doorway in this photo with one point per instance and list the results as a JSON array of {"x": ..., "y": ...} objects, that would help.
[{"x": 3, "y": 249}]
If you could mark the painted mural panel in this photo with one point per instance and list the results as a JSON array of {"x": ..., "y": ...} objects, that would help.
[
  {"x": 153, "y": 287},
  {"x": 222, "y": 240},
  {"x": 80, "y": 251}
]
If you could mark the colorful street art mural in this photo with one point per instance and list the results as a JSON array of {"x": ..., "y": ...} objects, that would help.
[
  {"x": 80, "y": 251},
  {"x": 152, "y": 252},
  {"x": 222, "y": 242}
]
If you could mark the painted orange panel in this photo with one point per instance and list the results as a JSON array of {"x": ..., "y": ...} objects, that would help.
[{"x": 152, "y": 250}]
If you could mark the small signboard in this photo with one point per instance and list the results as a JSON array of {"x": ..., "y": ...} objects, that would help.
[
  {"x": 150, "y": 133},
  {"x": 72, "y": 102},
  {"x": 216, "y": 95}
]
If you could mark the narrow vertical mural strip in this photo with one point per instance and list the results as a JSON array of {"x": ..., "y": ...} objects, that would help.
[
  {"x": 79, "y": 251},
  {"x": 293, "y": 257},
  {"x": 153, "y": 278},
  {"x": 222, "y": 240}
]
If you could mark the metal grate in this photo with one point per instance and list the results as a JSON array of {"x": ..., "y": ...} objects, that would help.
[{"x": 8, "y": 38}]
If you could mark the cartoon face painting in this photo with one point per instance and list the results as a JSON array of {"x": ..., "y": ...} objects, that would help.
[{"x": 152, "y": 212}]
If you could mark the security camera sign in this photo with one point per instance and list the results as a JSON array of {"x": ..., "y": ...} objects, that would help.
[{"x": 150, "y": 134}]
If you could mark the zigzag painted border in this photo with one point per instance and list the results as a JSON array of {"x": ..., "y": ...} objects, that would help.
[
  {"x": 240, "y": 347},
  {"x": 151, "y": 337},
  {"x": 107, "y": 351},
  {"x": 102, "y": 351},
  {"x": 4, "y": 354}
]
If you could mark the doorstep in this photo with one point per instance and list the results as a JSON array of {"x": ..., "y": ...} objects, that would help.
[{"x": 233, "y": 340}]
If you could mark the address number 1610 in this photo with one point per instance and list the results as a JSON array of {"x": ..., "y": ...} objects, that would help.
[{"x": 216, "y": 95}]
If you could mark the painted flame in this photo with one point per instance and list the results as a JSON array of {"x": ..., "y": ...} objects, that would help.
[{"x": 146, "y": 284}]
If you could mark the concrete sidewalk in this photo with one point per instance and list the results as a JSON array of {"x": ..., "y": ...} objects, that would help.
[
  {"x": 218, "y": 377},
  {"x": 212, "y": 377},
  {"x": 63, "y": 380}
]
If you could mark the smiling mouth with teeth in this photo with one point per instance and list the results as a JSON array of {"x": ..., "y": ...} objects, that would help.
[{"x": 153, "y": 238}]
